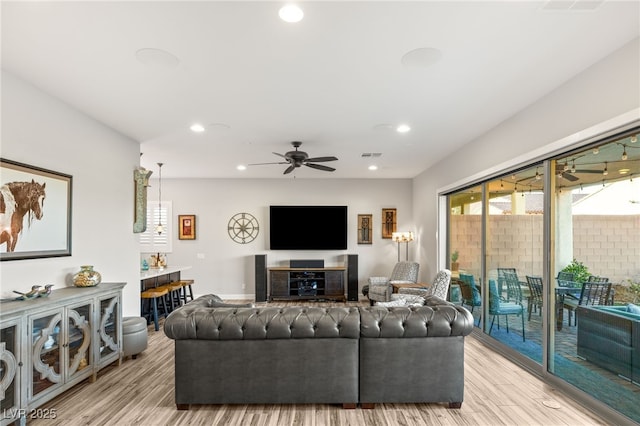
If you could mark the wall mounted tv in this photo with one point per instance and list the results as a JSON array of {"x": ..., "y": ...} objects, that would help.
[{"x": 308, "y": 227}]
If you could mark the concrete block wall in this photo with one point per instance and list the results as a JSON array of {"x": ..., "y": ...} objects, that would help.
[{"x": 608, "y": 245}]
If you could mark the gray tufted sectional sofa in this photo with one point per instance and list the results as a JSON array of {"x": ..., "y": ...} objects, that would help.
[{"x": 334, "y": 355}]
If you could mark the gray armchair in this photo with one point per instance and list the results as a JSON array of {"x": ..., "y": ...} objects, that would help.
[
  {"x": 439, "y": 288},
  {"x": 380, "y": 289}
]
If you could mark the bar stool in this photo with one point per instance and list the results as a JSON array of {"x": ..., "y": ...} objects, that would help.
[
  {"x": 174, "y": 290},
  {"x": 153, "y": 294},
  {"x": 186, "y": 284}
]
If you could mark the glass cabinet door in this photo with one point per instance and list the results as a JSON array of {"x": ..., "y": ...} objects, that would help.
[
  {"x": 79, "y": 339},
  {"x": 9, "y": 372},
  {"x": 108, "y": 331},
  {"x": 46, "y": 338}
]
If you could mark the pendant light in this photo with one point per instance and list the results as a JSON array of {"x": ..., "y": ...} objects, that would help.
[{"x": 159, "y": 226}]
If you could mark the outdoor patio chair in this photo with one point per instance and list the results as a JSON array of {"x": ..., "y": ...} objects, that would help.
[
  {"x": 498, "y": 306},
  {"x": 535, "y": 294},
  {"x": 501, "y": 279},
  {"x": 597, "y": 279},
  {"x": 514, "y": 287},
  {"x": 565, "y": 279},
  {"x": 470, "y": 293},
  {"x": 592, "y": 293}
]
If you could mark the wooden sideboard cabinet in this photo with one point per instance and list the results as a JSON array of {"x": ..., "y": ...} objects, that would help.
[
  {"x": 307, "y": 283},
  {"x": 50, "y": 344}
]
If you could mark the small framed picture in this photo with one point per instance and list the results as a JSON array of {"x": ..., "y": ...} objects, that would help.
[
  {"x": 187, "y": 227},
  {"x": 365, "y": 229},
  {"x": 388, "y": 222}
]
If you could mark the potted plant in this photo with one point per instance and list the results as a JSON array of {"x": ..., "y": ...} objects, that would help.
[
  {"x": 454, "y": 261},
  {"x": 579, "y": 270}
]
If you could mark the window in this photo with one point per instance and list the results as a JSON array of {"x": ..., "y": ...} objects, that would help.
[
  {"x": 150, "y": 240},
  {"x": 576, "y": 213}
]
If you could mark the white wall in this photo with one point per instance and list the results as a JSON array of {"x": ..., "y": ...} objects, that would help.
[
  {"x": 42, "y": 131},
  {"x": 228, "y": 265},
  {"x": 39, "y": 130},
  {"x": 606, "y": 93}
]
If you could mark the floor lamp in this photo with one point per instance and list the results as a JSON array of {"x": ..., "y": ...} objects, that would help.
[{"x": 402, "y": 237}]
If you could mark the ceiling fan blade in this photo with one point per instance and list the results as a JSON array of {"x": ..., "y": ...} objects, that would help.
[
  {"x": 289, "y": 169},
  {"x": 262, "y": 164},
  {"x": 320, "y": 167},
  {"x": 569, "y": 177},
  {"x": 561, "y": 168},
  {"x": 279, "y": 155},
  {"x": 589, "y": 171},
  {"x": 320, "y": 159}
]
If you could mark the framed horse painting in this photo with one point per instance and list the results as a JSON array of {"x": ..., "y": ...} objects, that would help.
[{"x": 35, "y": 212}]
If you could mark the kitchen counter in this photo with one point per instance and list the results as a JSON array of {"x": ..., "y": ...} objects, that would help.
[
  {"x": 156, "y": 272},
  {"x": 155, "y": 277}
]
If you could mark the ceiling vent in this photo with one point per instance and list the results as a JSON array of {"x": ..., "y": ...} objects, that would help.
[{"x": 371, "y": 154}]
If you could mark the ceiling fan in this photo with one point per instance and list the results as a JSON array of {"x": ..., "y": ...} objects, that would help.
[
  {"x": 297, "y": 158},
  {"x": 562, "y": 170},
  {"x": 567, "y": 173}
]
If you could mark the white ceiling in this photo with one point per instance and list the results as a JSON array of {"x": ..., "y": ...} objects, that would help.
[{"x": 335, "y": 81}]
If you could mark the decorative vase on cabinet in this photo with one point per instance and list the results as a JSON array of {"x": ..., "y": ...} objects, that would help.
[{"x": 87, "y": 277}]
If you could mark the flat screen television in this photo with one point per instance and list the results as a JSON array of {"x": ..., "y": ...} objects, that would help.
[{"x": 308, "y": 227}]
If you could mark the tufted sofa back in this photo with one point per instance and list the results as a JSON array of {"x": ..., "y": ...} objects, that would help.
[
  {"x": 200, "y": 320},
  {"x": 203, "y": 320},
  {"x": 420, "y": 321}
]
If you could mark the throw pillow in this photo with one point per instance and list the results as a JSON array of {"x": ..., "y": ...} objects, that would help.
[
  {"x": 392, "y": 303},
  {"x": 408, "y": 298},
  {"x": 404, "y": 300},
  {"x": 634, "y": 309},
  {"x": 423, "y": 292}
]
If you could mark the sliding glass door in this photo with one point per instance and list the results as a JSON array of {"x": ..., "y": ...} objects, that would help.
[
  {"x": 597, "y": 272},
  {"x": 552, "y": 251},
  {"x": 465, "y": 248},
  {"x": 514, "y": 237}
]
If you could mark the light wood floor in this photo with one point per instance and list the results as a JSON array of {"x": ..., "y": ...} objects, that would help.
[{"x": 140, "y": 392}]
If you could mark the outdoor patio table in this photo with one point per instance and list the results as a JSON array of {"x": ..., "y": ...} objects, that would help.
[{"x": 560, "y": 293}]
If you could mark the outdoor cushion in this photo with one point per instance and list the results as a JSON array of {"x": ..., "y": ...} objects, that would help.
[{"x": 634, "y": 309}]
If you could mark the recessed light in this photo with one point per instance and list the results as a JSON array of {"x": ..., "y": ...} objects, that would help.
[
  {"x": 291, "y": 13},
  {"x": 403, "y": 128},
  {"x": 197, "y": 128},
  {"x": 241, "y": 167},
  {"x": 383, "y": 126},
  {"x": 219, "y": 126},
  {"x": 421, "y": 58},
  {"x": 157, "y": 58},
  {"x": 373, "y": 167}
]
